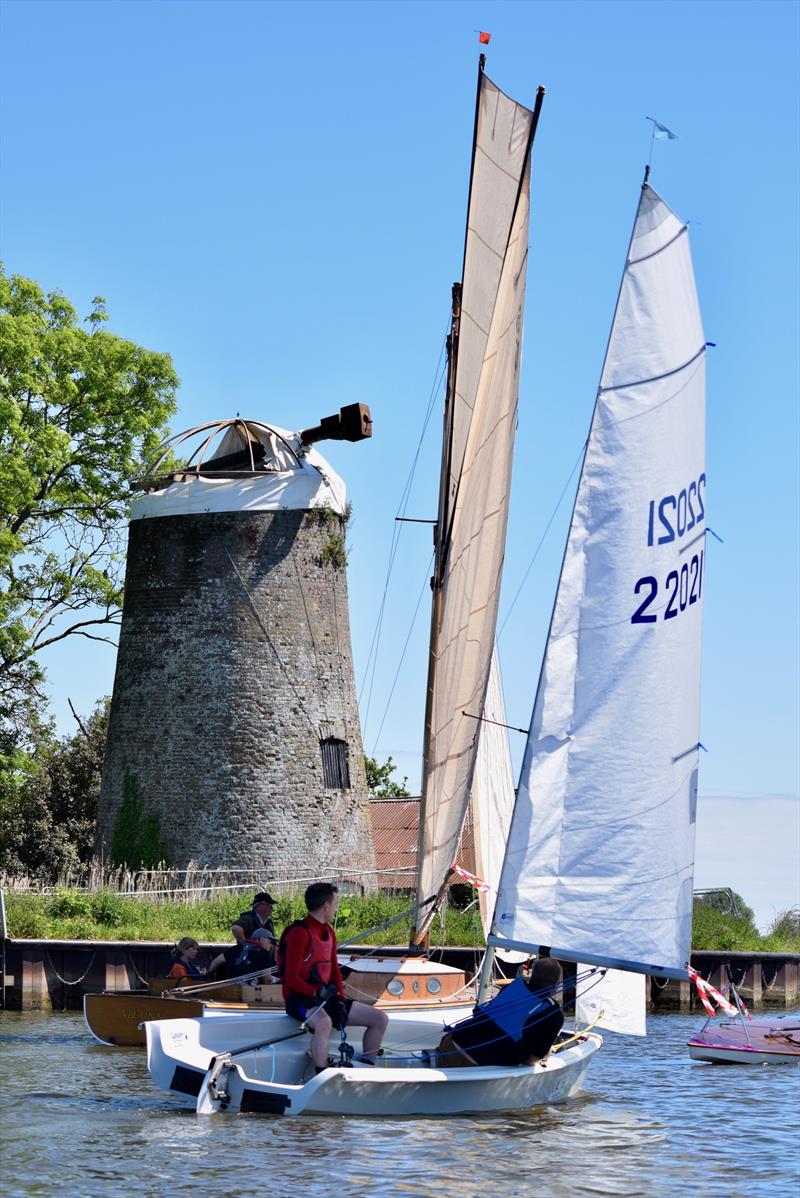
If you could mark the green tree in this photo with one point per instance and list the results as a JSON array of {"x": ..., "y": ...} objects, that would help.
[
  {"x": 380, "y": 783},
  {"x": 79, "y": 408},
  {"x": 48, "y": 796}
]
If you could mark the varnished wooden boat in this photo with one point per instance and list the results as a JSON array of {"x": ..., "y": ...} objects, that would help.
[{"x": 396, "y": 983}]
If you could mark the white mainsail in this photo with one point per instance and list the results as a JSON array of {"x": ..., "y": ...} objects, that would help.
[
  {"x": 477, "y": 474},
  {"x": 599, "y": 863},
  {"x": 492, "y": 797}
]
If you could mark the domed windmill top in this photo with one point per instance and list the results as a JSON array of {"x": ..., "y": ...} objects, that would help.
[{"x": 246, "y": 465}]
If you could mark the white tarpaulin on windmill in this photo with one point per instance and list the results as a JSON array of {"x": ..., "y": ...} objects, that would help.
[
  {"x": 600, "y": 858},
  {"x": 484, "y": 419},
  {"x": 492, "y": 798},
  {"x": 294, "y": 479}
]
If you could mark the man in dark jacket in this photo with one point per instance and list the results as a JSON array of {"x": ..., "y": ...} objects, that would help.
[
  {"x": 517, "y": 1027},
  {"x": 259, "y": 916}
]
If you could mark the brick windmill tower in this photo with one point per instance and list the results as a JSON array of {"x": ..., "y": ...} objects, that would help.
[{"x": 234, "y": 736}]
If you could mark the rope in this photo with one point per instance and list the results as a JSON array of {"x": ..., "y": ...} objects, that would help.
[
  {"x": 578, "y": 1035},
  {"x": 280, "y": 660},
  {"x": 64, "y": 981},
  {"x": 403, "y": 654},
  {"x": 372, "y": 656}
]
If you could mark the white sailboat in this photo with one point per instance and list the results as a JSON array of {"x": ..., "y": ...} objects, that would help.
[{"x": 599, "y": 858}]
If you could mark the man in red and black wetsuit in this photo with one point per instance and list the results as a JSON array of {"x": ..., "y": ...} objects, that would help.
[{"x": 312, "y": 981}]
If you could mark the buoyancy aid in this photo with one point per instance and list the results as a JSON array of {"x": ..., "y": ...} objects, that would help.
[
  {"x": 186, "y": 969},
  {"x": 510, "y": 1009},
  {"x": 317, "y": 965}
]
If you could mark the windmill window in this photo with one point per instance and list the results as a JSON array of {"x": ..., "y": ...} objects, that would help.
[{"x": 335, "y": 770}]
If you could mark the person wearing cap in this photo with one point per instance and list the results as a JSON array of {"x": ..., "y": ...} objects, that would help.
[
  {"x": 259, "y": 916},
  {"x": 257, "y": 952}
]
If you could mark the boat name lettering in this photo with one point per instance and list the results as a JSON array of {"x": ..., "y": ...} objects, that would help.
[
  {"x": 683, "y": 589},
  {"x": 673, "y": 516}
]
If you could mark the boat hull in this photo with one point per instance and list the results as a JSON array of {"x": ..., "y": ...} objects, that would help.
[
  {"x": 730, "y": 1042},
  {"x": 277, "y": 1078},
  {"x": 179, "y": 1051},
  {"x": 117, "y": 1019},
  {"x": 399, "y": 1092}
]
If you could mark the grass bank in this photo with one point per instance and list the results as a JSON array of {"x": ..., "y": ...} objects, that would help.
[
  {"x": 70, "y": 914},
  {"x": 102, "y": 915}
]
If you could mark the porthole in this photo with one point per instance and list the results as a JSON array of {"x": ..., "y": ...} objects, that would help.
[
  {"x": 434, "y": 985},
  {"x": 395, "y": 987}
]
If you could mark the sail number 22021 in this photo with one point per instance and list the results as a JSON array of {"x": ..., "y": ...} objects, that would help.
[
  {"x": 671, "y": 517},
  {"x": 683, "y": 588}
]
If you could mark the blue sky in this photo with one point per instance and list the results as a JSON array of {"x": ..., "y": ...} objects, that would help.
[{"x": 275, "y": 194}]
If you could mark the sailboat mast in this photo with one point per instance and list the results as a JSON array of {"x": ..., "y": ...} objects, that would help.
[{"x": 442, "y": 516}]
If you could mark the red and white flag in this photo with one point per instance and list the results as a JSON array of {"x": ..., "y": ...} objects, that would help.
[
  {"x": 708, "y": 995},
  {"x": 475, "y": 881}
]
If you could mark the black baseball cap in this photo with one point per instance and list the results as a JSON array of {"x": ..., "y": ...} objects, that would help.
[{"x": 263, "y": 897}]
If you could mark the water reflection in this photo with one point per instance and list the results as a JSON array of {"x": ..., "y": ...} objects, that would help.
[{"x": 86, "y": 1120}]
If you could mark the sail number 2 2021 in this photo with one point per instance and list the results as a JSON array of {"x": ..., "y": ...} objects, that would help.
[{"x": 683, "y": 588}]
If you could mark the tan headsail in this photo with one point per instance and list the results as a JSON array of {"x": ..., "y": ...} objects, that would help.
[
  {"x": 492, "y": 795},
  {"x": 476, "y": 473}
]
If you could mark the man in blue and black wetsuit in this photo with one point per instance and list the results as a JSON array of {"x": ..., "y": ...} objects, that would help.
[{"x": 517, "y": 1027}]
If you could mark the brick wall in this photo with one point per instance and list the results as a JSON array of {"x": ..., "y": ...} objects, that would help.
[{"x": 221, "y": 737}]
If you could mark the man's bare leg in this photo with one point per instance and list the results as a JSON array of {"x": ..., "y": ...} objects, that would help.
[
  {"x": 320, "y": 1024},
  {"x": 374, "y": 1021}
]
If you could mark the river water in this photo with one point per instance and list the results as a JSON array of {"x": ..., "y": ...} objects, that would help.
[{"x": 79, "y": 1119}]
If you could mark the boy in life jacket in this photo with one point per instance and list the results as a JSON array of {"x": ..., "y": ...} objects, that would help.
[
  {"x": 517, "y": 1027},
  {"x": 312, "y": 981}
]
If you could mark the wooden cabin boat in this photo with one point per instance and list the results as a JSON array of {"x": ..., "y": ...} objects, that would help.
[{"x": 396, "y": 983}]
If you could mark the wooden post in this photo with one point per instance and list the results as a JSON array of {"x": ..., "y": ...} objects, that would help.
[{"x": 34, "y": 991}]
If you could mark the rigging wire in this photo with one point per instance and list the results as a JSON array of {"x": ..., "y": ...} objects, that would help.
[
  {"x": 541, "y": 541},
  {"x": 403, "y": 654},
  {"x": 372, "y": 656},
  {"x": 281, "y": 662}
]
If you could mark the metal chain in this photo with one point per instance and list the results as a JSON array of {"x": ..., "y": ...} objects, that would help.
[{"x": 64, "y": 981}]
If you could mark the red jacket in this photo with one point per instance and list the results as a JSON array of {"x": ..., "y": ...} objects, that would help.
[{"x": 310, "y": 946}]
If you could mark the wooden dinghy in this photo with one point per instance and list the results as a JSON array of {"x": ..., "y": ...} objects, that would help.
[
  {"x": 116, "y": 1017},
  {"x": 760, "y": 1042}
]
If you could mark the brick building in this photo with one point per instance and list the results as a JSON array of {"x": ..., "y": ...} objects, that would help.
[{"x": 234, "y": 722}]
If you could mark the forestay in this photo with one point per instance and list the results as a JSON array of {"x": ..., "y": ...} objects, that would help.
[
  {"x": 472, "y": 538},
  {"x": 599, "y": 863}
]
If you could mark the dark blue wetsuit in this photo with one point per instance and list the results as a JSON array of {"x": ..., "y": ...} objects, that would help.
[{"x": 511, "y": 1028}]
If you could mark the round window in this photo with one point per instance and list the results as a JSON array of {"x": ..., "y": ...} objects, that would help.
[
  {"x": 395, "y": 987},
  {"x": 434, "y": 985}
]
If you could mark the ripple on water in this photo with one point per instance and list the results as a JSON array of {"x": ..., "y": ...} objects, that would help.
[{"x": 84, "y": 1120}]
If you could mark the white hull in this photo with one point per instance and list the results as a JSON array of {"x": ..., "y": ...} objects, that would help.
[
  {"x": 397, "y": 1092},
  {"x": 279, "y": 1079},
  {"x": 179, "y": 1051},
  {"x": 722, "y": 1055}
]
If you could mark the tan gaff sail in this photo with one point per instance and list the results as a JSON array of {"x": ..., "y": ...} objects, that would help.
[{"x": 483, "y": 420}]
